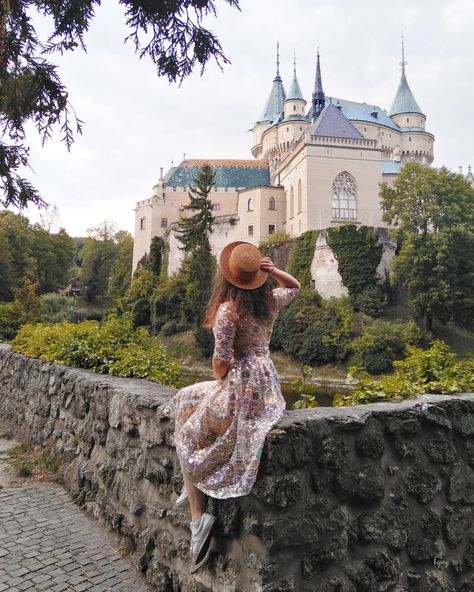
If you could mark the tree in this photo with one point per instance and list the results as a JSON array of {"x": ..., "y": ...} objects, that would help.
[
  {"x": 433, "y": 215},
  {"x": 54, "y": 255},
  {"x": 6, "y": 269},
  {"x": 193, "y": 233},
  {"x": 122, "y": 274},
  {"x": 171, "y": 34}
]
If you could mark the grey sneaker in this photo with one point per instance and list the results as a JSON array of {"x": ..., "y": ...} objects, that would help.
[
  {"x": 201, "y": 535},
  {"x": 182, "y": 499}
]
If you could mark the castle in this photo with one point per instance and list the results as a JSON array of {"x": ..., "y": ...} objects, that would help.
[{"x": 315, "y": 166}]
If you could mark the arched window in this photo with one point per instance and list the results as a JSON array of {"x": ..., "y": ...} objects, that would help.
[
  {"x": 344, "y": 197},
  {"x": 271, "y": 203},
  {"x": 292, "y": 203},
  {"x": 250, "y": 205},
  {"x": 300, "y": 198}
]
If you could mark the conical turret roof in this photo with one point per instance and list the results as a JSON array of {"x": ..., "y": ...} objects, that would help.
[
  {"x": 404, "y": 101},
  {"x": 274, "y": 105},
  {"x": 294, "y": 93}
]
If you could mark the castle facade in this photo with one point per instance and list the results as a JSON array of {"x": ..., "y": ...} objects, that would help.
[{"x": 316, "y": 165}]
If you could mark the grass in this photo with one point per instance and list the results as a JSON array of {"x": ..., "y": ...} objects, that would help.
[{"x": 39, "y": 463}]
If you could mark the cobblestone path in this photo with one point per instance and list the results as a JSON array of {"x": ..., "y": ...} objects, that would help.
[{"x": 47, "y": 544}]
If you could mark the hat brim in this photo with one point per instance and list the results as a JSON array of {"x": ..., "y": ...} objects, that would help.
[{"x": 259, "y": 278}]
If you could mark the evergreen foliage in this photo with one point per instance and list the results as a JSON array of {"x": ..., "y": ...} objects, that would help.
[
  {"x": 193, "y": 233},
  {"x": 157, "y": 248},
  {"x": 171, "y": 34},
  {"x": 358, "y": 254},
  {"x": 301, "y": 256}
]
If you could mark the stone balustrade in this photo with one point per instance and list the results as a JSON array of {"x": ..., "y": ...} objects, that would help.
[{"x": 371, "y": 498}]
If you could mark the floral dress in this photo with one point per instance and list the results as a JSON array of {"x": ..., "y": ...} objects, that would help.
[{"x": 221, "y": 425}]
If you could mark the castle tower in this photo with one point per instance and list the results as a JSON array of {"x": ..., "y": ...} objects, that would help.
[
  {"x": 319, "y": 101},
  {"x": 294, "y": 105},
  {"x": 416, "y": 144},
  {"x": 272, "y": 111}
]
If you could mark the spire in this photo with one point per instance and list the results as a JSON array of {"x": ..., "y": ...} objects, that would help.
[
  {"x": 404, "y": 101},
  {"x": 318, "y": 93},
  {"x": 274, "y": 105},
  {"x": 295, "y": 93}
]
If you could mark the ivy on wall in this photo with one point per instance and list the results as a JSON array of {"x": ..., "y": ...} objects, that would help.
[
  {"x": 358, "y": 254},
  {"x": 302, "y": 253}
]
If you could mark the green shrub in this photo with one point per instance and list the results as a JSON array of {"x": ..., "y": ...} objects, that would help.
[
  {"x": 112, "y": 347},
  {"x": 371, "y": 300},
  {"x": 382, "y": 343},
  {"x": 9, "y": 320},
  {"x": 168, "y": 305},
  {"x": 314, "y": 332},
  {"x": 56, "y": 308},
  {"x": 436, "y": 370}
]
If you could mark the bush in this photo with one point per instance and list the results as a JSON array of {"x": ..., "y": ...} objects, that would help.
[
  {"x": 371, "y": 300},
  {"x": 168, "y": 305},
  {"x": 56, "y": 308},
  {"x": 435, "y": 370},
  {"x": 312, "y": 332},
  {"x": 9, "y": 320},
  {"x": 112, "y": 347},
  {"x": 382, "y": 343}
]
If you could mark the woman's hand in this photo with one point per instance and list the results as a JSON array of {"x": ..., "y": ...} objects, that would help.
[
  {"x": 266, "y": 264},
  {"x": 284, "y": 279}
]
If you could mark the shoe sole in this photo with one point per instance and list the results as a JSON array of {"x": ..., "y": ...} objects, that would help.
[
  {"x": 182, "y": 502},
  {"x": 203, "y": 553}
]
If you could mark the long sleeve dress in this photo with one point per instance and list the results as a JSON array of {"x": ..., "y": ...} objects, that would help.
[{"x": 221, "y": 425}]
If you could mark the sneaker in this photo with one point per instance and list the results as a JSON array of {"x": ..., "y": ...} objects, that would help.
[
  {"x": 182, "y": 499},
  {"x": 201, "y": 535}
]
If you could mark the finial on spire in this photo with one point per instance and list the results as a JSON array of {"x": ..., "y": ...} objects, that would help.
[
  {"x": 278, "y": 58},
  {"x": 294, "y": 61},
  {"x": 403, "y": 62}
]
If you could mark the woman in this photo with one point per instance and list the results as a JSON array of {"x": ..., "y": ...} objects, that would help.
[{"x": 221, "y": 425}]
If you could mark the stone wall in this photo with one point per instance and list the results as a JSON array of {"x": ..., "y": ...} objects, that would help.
[{"x": 370, "y": 498}]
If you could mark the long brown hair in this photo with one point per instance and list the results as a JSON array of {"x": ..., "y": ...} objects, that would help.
[{"x": 257, "y": 302}]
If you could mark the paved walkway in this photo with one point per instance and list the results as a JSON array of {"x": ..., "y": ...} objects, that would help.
[{"x": 48, "y": 544}]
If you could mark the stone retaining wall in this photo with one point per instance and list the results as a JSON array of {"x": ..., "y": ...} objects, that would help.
[{"x": 370, "y": 498}]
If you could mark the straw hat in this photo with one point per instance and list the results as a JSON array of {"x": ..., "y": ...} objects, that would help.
[{"x": 240, "y": 264}]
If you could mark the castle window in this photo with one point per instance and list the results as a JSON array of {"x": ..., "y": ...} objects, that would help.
[
  {"x": 216, "y": 206},
  {"x": 250, "y": 205},
  {"x": 250, "y": 230},
  {"x": 344, "y": 197},
  {"x": 164, "y": 223},
  {"x": 292, "y": 203},
  {"x": 294, "y": 107},
  {"x": 271, "y": 203},
  {"x": 271, "y": 228},
  {"x": 408, "y": 120},
  {"x": 300, "y": 198},
  {"x": 409, "y": 138},
  {"x": 142, "y": 223}
]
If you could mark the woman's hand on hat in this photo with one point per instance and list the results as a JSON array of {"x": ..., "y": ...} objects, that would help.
[{"x": 266, "y": 264}]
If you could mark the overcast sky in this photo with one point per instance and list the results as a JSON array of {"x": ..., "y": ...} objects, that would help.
[{"x": 135, "y": 123}]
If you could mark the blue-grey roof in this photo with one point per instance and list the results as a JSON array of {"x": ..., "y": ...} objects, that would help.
[
  {"x": 331, "y": 122},
  {"x": 274, "y": 105},
  {"x": 365, "y": 112},
  {"x": 228, "y": 173},
  {"x": 412, "y": 129},
  {"x": 390, "y": 167},
  {"x": 294, "y": 92},
  {"x": 404, "y": 101}
]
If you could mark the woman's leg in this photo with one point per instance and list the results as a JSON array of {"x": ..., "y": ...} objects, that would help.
[{"x": 197, "y": 499}]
